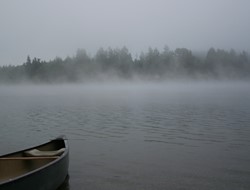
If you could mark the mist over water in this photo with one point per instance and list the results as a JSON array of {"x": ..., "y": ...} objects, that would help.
[
  {"x": 169, "y": 135},
  {"x": 119, "y": 65}
]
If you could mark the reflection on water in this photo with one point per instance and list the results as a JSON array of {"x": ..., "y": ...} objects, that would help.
[
  {"x": 137, "y": 137},
  {"x": 65, "y": 184}
]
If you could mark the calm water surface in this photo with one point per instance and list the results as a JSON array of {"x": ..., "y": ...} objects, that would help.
[{"x": 137, "y": 136}]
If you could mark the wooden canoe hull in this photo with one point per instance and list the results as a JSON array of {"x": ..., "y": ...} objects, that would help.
[{"x": 48, "y": 177}]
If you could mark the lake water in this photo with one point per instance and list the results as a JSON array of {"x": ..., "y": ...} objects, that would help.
[{"x": 177, "y": 136}]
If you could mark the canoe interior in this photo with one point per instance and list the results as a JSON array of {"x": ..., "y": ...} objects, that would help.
[{"x": 17, "y": 164}]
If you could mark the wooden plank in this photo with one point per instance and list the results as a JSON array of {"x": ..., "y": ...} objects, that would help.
[{"x": 29, "y": 158}]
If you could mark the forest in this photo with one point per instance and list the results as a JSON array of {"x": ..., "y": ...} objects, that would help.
[{"x": 118, "y": 63}]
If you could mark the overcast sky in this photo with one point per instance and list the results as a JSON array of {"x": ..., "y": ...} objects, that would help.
[{"x": 50, "y": 28}]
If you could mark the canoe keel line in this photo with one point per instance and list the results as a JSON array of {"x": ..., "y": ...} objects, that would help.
[{"x": 43, "y": 167}]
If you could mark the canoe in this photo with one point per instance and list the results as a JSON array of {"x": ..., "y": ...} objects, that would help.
[{"x": 44, "y": 167}]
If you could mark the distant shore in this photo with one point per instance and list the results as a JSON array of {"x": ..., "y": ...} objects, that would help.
[{"x": 118, "y": 64}]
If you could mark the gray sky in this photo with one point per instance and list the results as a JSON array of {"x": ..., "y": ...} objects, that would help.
[{"x": 50, "y": 28}]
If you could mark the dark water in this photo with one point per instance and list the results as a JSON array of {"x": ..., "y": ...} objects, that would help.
[{"x": 140, "y": 136}]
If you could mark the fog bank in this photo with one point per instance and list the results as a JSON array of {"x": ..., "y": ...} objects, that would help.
[{"x": 118, "y": 64}]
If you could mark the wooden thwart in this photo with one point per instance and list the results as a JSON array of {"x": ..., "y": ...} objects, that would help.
[{"x": 29, "y": 158}]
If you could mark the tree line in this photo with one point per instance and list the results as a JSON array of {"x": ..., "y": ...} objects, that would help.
[{"x": 118, "y": 63}]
